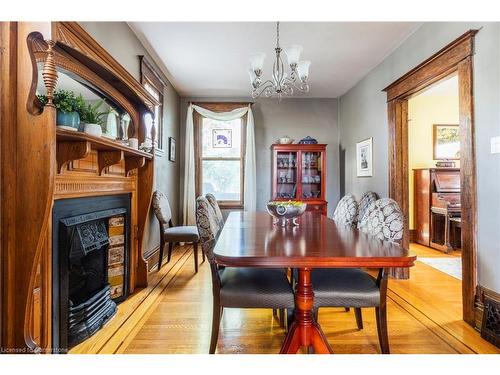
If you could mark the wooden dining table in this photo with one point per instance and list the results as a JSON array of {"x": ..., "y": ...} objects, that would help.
[{"x": 250, "y": 239}]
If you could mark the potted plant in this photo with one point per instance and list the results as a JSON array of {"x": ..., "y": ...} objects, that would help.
[
  {"x": 67, "y": 105},
  {"x": 93, "y": 118}
]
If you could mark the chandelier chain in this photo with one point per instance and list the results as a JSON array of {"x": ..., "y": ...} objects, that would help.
[{"x": 278, "y": 34}]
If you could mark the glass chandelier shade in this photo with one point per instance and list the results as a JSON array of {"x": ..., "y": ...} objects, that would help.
[{"x": 293, "y": 54}]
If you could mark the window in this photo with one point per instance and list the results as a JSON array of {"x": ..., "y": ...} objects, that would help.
[
  {"x": 220, "y": 159},
  {"x": 155, "y": 86}
]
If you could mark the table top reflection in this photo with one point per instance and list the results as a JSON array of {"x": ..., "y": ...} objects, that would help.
[{"x": 250, "y": 239}]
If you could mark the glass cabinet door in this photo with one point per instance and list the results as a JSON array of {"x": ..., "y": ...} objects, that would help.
[
  {"x": 286, "y": 175},
  {"x": 311, "y": 175}
]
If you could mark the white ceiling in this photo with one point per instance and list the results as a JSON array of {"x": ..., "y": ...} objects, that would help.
[{"x": 211, "y": 58}]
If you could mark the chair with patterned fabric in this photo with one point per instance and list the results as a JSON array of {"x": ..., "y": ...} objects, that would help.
[
  {"x": 238, "y": 287},
  {"x": 171, "y": 234},
  {"x": 346, "y": 212},
  {"x": 356, "y": 288},
  {"x": 384, "y": 220},
  {"x": 218, "y": 213},
  {"x": 366, "y": 200}
]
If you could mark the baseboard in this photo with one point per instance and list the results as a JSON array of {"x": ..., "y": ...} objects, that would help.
[
  {"x": 484, "y": 294},
  {"x": 152, "y": 257}
]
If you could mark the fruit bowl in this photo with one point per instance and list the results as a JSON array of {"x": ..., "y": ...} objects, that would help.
[{"x": 286, "y": 212}]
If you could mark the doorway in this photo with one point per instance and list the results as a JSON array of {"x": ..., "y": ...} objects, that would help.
[
  {"x": 455, "y": 58},
  {"x": 434, "y": 177}
]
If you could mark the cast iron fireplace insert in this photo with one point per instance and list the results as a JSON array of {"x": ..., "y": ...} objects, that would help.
[{"x": 81, "y": 292}]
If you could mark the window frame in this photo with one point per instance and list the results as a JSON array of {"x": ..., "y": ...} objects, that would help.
[
  {"x": 198, "y": 123},
  {"x": 150, "y": 77}
]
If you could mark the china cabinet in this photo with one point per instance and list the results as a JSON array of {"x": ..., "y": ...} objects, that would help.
[{"x": 299, "y": 173}]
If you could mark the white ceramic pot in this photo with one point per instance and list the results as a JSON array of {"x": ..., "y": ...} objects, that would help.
[
  {"x": 133, "y": 143},
  {"x": 285, "y": 140},
  {"x": 93, "y": 129}
]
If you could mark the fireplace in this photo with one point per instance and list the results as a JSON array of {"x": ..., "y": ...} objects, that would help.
[{"x": 90, "y": 265}]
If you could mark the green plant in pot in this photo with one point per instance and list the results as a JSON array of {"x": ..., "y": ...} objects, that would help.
[
  {"x": 93, "y": 118},
  {"x": 67, "y": 107}
]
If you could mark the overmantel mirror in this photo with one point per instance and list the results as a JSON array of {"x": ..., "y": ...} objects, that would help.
[{"x": 89, "y": 99}]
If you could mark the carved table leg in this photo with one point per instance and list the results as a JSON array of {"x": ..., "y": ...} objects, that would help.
[{"x": 304, "y": 330}]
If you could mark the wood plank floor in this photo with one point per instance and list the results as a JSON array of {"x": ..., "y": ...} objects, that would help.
[{"x": 174, "y": 316}]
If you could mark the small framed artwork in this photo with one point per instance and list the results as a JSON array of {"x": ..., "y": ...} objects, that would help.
[
  {"x": 446, "y": 142},
  {"x": 171, "y": 149},
  {"x": 222, "y": 138},
  {"x": 364, "y": 158}
]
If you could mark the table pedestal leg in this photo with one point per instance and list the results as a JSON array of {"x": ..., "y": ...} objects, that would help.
[{"x": 305, "y": 331}]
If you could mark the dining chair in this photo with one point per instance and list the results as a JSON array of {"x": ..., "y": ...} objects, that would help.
[
  {"x": 356, "y": 288},
  {"x": 238, "y": 287},
  {"x": 366, "y": 200},
  {"x": 173, "y": 234},
  {"x": 346, "y": 212},
  {"x": 218, "y": 213}
]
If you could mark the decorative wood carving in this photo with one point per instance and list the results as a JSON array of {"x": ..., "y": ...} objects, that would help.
[
  {"x": 108, "y": 158},
  {"x": 133, "y": 162},
  {"x": 35, "y": 41},
  {"x": 69, "y": 151},
  {"x": 145, "y": 195},
  {"x": 455, "y": 57},
  {"x": 28, "y": 160},
  {"x": 49, "y": 73},
  {"x": 67, "y": 188},
  {"x": 71, "y": 34}
]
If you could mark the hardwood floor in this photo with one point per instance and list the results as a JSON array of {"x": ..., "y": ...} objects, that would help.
[
  {"x": 424, "y": 316},
  {"x": 428, "y": 252}
]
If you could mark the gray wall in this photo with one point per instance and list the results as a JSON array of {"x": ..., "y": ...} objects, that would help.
[
  {"x": 119, "y": 40},
  {"x": 363, "y": 114},
  {"x": 297, "y": 118}
]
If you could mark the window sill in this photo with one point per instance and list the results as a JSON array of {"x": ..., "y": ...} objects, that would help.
[{"x": 230, "y": 206}]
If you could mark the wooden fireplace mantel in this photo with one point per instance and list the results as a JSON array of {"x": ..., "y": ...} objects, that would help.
[
  {"x": 41, "y": 164},
  {"x": 73, "y": 145}
]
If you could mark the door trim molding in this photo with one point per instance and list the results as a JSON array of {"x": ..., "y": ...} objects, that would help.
[{"x": 456, "y": 57}]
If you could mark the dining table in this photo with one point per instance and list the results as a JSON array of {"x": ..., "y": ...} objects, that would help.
[{"x": 252, "y": 239}]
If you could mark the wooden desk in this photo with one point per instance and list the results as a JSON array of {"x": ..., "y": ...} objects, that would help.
[{"x": 249, "y": 239}]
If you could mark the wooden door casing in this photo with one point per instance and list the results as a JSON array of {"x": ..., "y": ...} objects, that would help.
[{"x": 456, "y": 57}]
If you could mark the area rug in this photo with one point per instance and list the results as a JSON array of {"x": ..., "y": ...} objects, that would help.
[{"x": 450, "y": 266}]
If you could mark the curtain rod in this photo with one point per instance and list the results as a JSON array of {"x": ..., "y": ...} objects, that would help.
[{"x": 235, "y": 103}]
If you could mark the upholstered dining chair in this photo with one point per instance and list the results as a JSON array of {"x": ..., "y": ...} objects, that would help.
[
  {"x": 346, "y": 212},
  {"x": 218, "y": 213},
  {"x": 383, "y": 219},
  {"x": 366, "y": 200},
  {"x": 173, "y": 234},
  {"x": 238, "y": 287}
]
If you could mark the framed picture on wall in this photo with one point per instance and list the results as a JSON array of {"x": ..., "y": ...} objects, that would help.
[
  {"x": 446, "y": 142},
  {"x": 364, "y": 158},
  {"x": 171, "y": 149}
]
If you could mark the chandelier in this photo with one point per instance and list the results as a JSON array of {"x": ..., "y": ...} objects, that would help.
[{"x": 279, "y": 84}]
